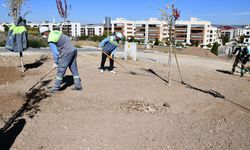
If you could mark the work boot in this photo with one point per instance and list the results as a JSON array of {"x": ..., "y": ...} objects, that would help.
[
  {"x": 76, "y": 89},
  {"x": 53, "y": 90},
  {"x": 78, "y": 85}
]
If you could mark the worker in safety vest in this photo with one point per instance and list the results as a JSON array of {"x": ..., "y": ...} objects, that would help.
[
  {"x": 65, "y": 55},
  {"x": 109, "y": 46},
  {"x": 242, "y": 57}
]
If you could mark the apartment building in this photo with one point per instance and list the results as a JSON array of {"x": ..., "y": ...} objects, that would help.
[
  {"x": 127, "y": 28},
  {"x": 72, "y": 29},
  {"x": 247, "y": 35},
  {"x": 148, "y": 30},
  {"x": 239, "y": 32},
  {"x": 151, "y": 29},
  {"x": 228, "y": 31},
  {"x": 92, "y": 29},
  {"x": 1, "y": 28},
  {"x": 196, "y": 30}
]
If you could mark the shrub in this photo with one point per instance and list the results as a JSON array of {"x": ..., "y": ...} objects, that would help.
[
  {"x": 78, "y": 46},
  {"x": 37, "y": 43},
  {"x": 209, "y": 45},
  {"x": 83, "y": 37},
  {"x": 215, "y": 48},
  {"x": 225, "y": 39},
  {"x": 33, "y": 31},
  {"x": 157, "y": 42},
  {"x": 2, "y": 43},
  {"x": 196, "y": 43}
]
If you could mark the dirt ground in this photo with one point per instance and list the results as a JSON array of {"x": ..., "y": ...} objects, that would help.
[
  {"x": 196, "y": 51},
  {"x": 123, "y": 111}
]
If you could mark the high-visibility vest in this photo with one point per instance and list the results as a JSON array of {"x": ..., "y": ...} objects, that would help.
[
  {"x": 111, "y": 45},
  {"x": 54, "y": 36},
  {"x": 17, "y": 39}
]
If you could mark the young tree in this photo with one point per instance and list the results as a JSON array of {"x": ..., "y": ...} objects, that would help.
[
  {"x": 64, "y": 11},
  {"x": 15, "y": 8},
  {"x": 170, "y": 15}
]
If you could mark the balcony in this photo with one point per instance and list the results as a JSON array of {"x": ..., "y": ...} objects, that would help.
[{"x": 195, "y": 29}]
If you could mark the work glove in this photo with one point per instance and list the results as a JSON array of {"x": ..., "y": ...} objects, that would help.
[{"x": 55, "y": 66}]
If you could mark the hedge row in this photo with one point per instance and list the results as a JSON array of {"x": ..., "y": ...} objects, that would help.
[{"x": 33, "y": 43}]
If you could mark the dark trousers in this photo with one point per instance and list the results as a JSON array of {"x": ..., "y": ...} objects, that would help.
[
  {"x": 104, "y": 57},
  {"x": 242, "y": 62},
  {"x": 68, "y": 60}
]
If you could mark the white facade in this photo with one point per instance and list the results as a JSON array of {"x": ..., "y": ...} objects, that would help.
[
  {"x": 196, "y": 30},
  {"x": 91, "y": 29},
  {"x": 212, "y": 35},
  {"x": 229, "y": 33},
  {"x": 33, "y": 25},
  {"x": 73, "y": 28},
  {"x": 247, "y": 36},
  {"x": 148, "y": 30},
  {"x": 51, "y": 26},
  {"x": 127, "y": 28},
  {"x": 1, "y": 28},
  {"x": 239, "y": 32},
  {"x": 154, "y": 29}
]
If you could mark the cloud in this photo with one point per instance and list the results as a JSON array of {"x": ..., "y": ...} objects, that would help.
[{"x": 246, "y": 13}]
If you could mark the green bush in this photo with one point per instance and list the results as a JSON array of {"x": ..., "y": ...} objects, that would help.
[
  {"x": 33, "y": 31},
  {"x": 37, "y": 43},
  {"x": 225, "y": 39},
  {"x": 209, "y": 45},
  {"x": 77, "y": 46},
  {"x": 94, "y": 38},
  {"x": 2, "y": 43},
  {"x": 215, "y": 48},
  {"x": 196, "y": 43},
  {"x": 157, "y": 42},
  {"x": 83, "y": 37}
]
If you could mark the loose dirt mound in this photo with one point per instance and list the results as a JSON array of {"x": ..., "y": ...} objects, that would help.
[
  {"x": 9, "y": 74},
  {"x": 146, "y": 107},
  {"x": 195, "y": 51}
]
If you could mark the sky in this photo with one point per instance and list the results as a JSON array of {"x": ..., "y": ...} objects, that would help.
[{"x": 228, "y": 12}]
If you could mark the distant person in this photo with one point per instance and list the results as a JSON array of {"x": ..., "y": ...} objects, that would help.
[
  {"x": 109, "y": 46},
  {"x": 242, "y": 57},
  {"x": 65, "y": 55}
]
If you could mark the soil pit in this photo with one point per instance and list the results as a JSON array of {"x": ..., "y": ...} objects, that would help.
[
  {"x": 10, "y": 75},
  {"x": 145, "y": 107}
]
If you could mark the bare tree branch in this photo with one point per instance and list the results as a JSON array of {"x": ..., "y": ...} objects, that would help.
[{"x": 15, "y": 8}]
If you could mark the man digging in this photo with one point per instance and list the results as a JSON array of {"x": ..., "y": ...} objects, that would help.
[
  {"x": 65, "y": 55},
  {"x": 242, "y": 57},
  {"x": 109, "y": 47}
]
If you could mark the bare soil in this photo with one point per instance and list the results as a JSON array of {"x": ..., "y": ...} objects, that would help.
[
  {"x": 9, "y": 74},
  {"x": 124, "y": 111},
  {"x": 196, "y": 51}
]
